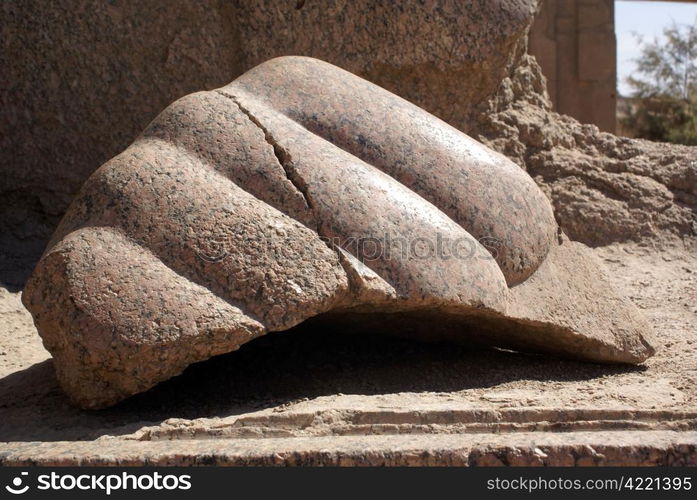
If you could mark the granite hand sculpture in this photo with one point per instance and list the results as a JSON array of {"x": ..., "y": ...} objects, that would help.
[{"x": 302, "y": 192}]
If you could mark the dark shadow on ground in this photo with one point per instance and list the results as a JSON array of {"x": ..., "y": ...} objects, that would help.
[
  {"x": 272, "y": 370},
  {"x": 20, "y": 247}
]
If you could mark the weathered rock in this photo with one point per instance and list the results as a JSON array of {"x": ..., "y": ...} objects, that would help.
[
  {"x": 84, "y": 77},
  {"x": 302, "y": 191},
  {"x": 81, "y": 79},
  {"x": 625, "y": 448},
  {"x": 604, "y": 188}
]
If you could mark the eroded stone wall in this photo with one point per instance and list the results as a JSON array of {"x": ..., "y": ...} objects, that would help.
[{"x": 603, "y": 188}]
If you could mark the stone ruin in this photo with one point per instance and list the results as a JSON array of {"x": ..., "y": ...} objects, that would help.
[
  {"x": 297, "y": 192},
  {"x": 465, "y": 62},
  {"x": 85, "y": 86}
]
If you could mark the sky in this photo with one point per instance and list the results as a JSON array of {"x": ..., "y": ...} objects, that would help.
[{"x": 648, "y": 20}]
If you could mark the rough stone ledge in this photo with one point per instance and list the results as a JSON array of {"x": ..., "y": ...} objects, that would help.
[
  {"x": 612, "y": 448},
  {"x": 277, "y": 423}
]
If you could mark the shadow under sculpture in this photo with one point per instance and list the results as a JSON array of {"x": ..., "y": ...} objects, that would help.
[{"x": 302, "y": 191}]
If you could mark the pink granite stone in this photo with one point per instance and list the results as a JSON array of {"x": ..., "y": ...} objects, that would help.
[{"x": 302, "y": 192}]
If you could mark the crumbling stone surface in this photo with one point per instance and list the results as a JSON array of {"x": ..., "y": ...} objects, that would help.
[
  {"x": 247, "y": 209},
  {"x": 604, "y": 188}
]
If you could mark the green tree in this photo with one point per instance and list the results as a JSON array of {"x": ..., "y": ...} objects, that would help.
[{"x": 664, "y": 88}]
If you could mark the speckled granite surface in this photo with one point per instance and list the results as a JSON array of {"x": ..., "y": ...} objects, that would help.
[
  {"x": 443, "y": 55},
  {"x": 237, "y": 212},
  {"x": 85, "y": 77},
  {"x": 80, "y": 80}
]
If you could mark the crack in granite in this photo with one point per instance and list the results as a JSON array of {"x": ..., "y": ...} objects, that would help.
[
  {"x": 284, "y": 160},
  {"x": 282, "y": 156}
]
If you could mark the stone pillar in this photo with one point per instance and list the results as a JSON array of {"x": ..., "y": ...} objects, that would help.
[{"x": 574, "y": 42}]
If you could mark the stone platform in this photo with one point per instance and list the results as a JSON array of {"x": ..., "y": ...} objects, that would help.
[
  {"x": 587, "y": 448},
  {"x": 313, "y": 398}
]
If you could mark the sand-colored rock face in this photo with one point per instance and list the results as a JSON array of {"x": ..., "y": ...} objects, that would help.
[
  {"x": 603, "y": 188},
  {"x": 301, "y": 191}
]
